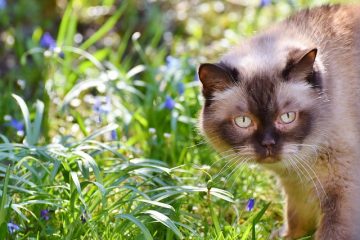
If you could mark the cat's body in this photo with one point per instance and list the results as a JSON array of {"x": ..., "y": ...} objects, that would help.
[{"x": 289, "y": 99}]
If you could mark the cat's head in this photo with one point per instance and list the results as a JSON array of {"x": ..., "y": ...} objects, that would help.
[{"x": 268, "y": 109}]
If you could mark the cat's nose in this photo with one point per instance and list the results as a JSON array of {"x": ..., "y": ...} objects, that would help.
[{"x": 268, "y": 142}]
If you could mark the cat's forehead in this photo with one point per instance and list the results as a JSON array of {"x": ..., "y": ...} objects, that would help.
[
  {"x": 265, "y": 54},
  {"x": 251, "y": 59},
  {"x": 263, "y": 96}
]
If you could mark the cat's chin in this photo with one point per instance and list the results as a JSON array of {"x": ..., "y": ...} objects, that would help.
[{"x": 268, "y": 160}]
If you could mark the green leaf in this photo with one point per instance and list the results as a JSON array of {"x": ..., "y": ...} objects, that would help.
[
  {"x": 89, "y": 161},
  {"x": 165, "y": 220},
  {"x": 76, "y": 182},
  {"x": 3, "y": 230},
  {"x": 222, "y": 194},
  {"x": 3, "y": 210},
  {"x": 78, "y": 88},
  {"x": 142, "y": 227},
  {"x": 156, "y": 203},
  {"x": 257, "y": 219},
  {"x": 26, "y": 116},
  {"x": 37, "y": 123},
  {"x": 99, "y": 132},
  {"x": 66, "y": 18},
  {"x": 106, "y": 27}
]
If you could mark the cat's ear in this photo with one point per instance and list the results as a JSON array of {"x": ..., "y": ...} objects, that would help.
[
  {"x": 300, "y": 64},
  {"x": 214, "y": 78}
]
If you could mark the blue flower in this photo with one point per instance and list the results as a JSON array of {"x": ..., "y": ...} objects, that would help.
[
  {"x": 172, "y": 63},
  {"x": 61, "y": 55},
  {"x": 101, "y": 108},
  {"x": 264, "y": 3},
  {"x": 114, "y": 135},
  {"x": 2, "y": 4},
  {"x": 45, "y": 214},
  {"x": 97, "y": 105},
  {"x": 196, "y": 77},
  {"x": 181, "y": 88},
  {"x": 250, "y": 204},
  {"x": 84, "y": 217},
  {"x": 169, "y": 103},
  {"x": 12, "y": 227},
  {"x": 47, "y": 41},
  {"x": 17, "y": 125}
]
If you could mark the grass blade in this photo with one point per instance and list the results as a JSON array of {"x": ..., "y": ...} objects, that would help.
[
  {"x": 64, "y": 24},
  {"x": 105, "y": 28},
  {"x": 142, "y": 227},
  {"x": 38, "y": 120},
  {"x": 3, "y": 210},
  {"x": 165, "y": 220},
  {"x": 26, "y": 116}
]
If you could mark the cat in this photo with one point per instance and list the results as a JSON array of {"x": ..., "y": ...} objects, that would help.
[{"x": 289, "y": 100}]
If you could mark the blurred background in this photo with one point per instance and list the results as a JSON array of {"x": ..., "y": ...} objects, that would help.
[{"x": 130, "y": 65}]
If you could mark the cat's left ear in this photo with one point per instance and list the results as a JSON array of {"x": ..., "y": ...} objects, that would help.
[
  {"x": 214, "y": 78},
  {"x": 300, "y": 64}
]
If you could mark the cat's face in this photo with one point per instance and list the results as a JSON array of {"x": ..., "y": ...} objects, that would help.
[{"x": 266, "y": 115}]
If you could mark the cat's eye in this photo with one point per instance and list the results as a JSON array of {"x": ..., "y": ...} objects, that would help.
[
  {"x": 288, "y": 117},
  {"x": 243, "y": 121}
]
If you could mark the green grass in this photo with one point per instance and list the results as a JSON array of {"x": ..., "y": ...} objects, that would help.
[{"x": 101, "y": 151}]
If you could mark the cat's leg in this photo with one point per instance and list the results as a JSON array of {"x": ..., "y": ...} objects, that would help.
[
  {"x": 299, "y": 221},
  {"x": 341, "y": 216},
  {"x": 331, "y": 224}
]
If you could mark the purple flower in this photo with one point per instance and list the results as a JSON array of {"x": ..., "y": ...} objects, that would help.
[
  {"x": 114, "y": 135},
  {"x": 12, "y": 227},
  {"x": 264, "y": 3},
  {"x": 47, "y": 41},
  {"x": 45, "y": 214},
  {"x": 250, "y": 204},
  {"x": 17, "y": 125},
  {"x": 169, "y": 103},
  {"x": 181, "y": 88}
]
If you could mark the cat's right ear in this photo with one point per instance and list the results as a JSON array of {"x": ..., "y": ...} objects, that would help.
[{"x": 213, "y": 78}]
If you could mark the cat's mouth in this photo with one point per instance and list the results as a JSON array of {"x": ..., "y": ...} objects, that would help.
[
  {"x": 268, "y": 159},
  {"x": 268, "y": 155}
]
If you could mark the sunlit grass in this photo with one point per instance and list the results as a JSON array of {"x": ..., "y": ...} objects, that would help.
[{"x": 101, "y": 140}]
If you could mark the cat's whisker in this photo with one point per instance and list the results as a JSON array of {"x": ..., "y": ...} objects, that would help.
[
  {"x": 297, "y": 169},
  {"x": 226, "y": 166},
  {"x": 307, "y": 167},
  {"x": 239, "y": 166},
  {"x": 316, "y": 176},
  {"x": 298, "y": 161},
  {"x": 237, "y": 169},
  {"x": 235, "y": 160},
  {"x": 222, "y": 158}
]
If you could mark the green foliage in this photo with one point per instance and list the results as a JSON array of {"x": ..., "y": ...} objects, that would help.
[{"x": 103, "y": 142}]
